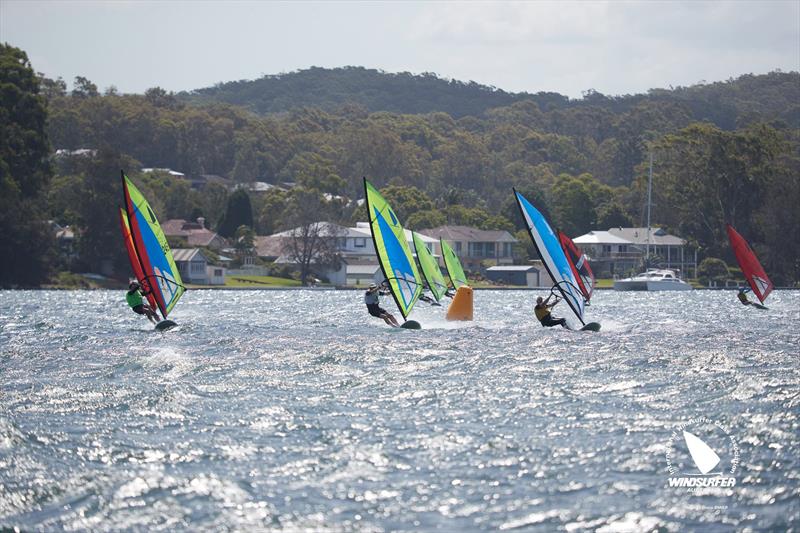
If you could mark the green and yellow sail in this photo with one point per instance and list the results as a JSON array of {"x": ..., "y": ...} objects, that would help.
[
  {"x": 394, "y": 254},
  {"x": 453, "y": 265},
  {"x": 430, "y": 268}
]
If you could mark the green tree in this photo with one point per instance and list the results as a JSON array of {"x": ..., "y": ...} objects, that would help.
[
  {"x": 572, "y": 205},
  {"x": 712, "y": 270},
  {"x": 239, "y": 212},
  {"x": 83, "y": 88},
  {"x": 426, "y": 220},
  {"x": 26, "y": 244},
  {"x": 406, "y": 201}
]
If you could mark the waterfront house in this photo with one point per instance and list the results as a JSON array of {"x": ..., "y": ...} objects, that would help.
[{"x": 475, "y": 247}]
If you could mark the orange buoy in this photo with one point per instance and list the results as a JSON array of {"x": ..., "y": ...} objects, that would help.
[{"x": 461, "y": 306}]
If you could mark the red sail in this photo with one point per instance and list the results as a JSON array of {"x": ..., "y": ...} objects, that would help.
[
  {"x": 751, "y": 268},
  {"x": 132, "y": 256},
  {"x": 580, "y": 265}
]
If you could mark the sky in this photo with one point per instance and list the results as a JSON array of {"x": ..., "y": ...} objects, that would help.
[{"x": 567, "y": 47}]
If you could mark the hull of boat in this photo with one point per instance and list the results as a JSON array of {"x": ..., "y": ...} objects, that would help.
[{"x": 650, "y": 285}]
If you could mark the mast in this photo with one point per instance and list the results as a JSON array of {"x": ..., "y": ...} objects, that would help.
[{"x": 649, "y": 196}]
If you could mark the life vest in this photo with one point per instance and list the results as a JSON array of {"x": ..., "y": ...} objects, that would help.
[{"x": 133, "y": 298}]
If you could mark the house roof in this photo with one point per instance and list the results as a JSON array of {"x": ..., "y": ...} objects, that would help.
[
  {"x": 513, "y": 268},
  {"x": 639, "y": 236},
  {"x": 468, "y": 234},
  {"x": 194, "y": 232},
  {"x": 188, "y": 254},
  {"x": 173, "y": 173},
  {"x": 330, "y": 229},
  {"x": 269, "y": 246},
  {"x": 255, "y": 186},
  {"x": 600, "y": 237}
]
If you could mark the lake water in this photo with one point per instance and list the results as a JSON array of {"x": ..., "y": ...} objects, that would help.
[{"x": 296, "y": 410}]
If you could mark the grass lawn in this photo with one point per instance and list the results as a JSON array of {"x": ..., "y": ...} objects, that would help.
[{"x": 259, "y": 281}]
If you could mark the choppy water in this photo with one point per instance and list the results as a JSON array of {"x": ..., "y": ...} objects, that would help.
[{"x": 296, "y": 410}]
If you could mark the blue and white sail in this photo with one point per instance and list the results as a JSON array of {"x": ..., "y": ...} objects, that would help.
[{"x": 555, "y": 261}]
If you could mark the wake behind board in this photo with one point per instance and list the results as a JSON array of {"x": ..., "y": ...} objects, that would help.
[
  {"x": 411, "y": 324},
  {"x": 165, "y": 325}
]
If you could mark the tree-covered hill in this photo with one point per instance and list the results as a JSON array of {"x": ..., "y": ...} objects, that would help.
[
  {"x": 727, "y": 104},
  {"x": 375, "y": 90}
]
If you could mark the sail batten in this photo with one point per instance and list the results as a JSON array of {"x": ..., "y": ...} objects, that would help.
[
  {"x": 553, "y": 257},
  {"x": 148, "y": 249},
  {"x": 751, "y": 268},
  {"x": 394, "y": 255}
]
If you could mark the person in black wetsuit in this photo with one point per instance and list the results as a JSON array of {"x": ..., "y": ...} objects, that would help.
[
  {"x": 743, "y": 297},
  {"x": 542, "y": 311},
  {"x": 373, "y": 301}
]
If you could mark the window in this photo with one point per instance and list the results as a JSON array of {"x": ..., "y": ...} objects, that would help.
[
  {"x": 198, "y": 267},
  {"x": 458, "y": 246},
  {"x": 218, "y": 272},
  {"x": 360, "y": 242}
]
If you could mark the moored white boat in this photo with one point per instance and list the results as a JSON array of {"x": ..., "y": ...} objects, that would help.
[{"x": 653, "y": 279}]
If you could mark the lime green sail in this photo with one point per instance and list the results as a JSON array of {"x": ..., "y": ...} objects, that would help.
[
  {"x": 430, "y": 268},
  {"x": 391, "y": 247},
  {"x": 151, "y": 250},
  {"x": 454, "y": 269}
]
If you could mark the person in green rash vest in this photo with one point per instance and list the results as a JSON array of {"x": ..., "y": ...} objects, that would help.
[{"x": 134, "y": 299}]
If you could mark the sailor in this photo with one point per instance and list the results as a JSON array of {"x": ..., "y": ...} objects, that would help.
[
  {"x": 372, "y": 299},
  {"x": 743, "y": 296},
  {"x": 134, "y": 299},
  {"x": 542, "y": 311}
]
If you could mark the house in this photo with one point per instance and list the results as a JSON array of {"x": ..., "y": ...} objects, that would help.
[
  {"x": 665, "y": 250},
  {"x": 194, "y": 268},
  {"x": 619, "y": 251},
  {"x": 65, "y": 237},
  {"x": 195, "y": 233},
  {"x": 609, "y": 255},
  {"x": 474, "y": 246}
]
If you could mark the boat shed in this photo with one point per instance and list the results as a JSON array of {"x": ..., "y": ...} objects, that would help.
[{"x": 519, "y": 275}]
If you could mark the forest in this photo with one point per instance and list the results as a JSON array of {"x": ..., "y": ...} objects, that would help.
[{"x": 442, "y": 151}]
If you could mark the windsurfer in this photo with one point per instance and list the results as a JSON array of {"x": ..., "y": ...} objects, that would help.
[
  {"x": 134, "y": 299},
  {"x": 372, "y": 299},
  {"x": 542, "y": 311},
  {"x": 743, "y": 296}
]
